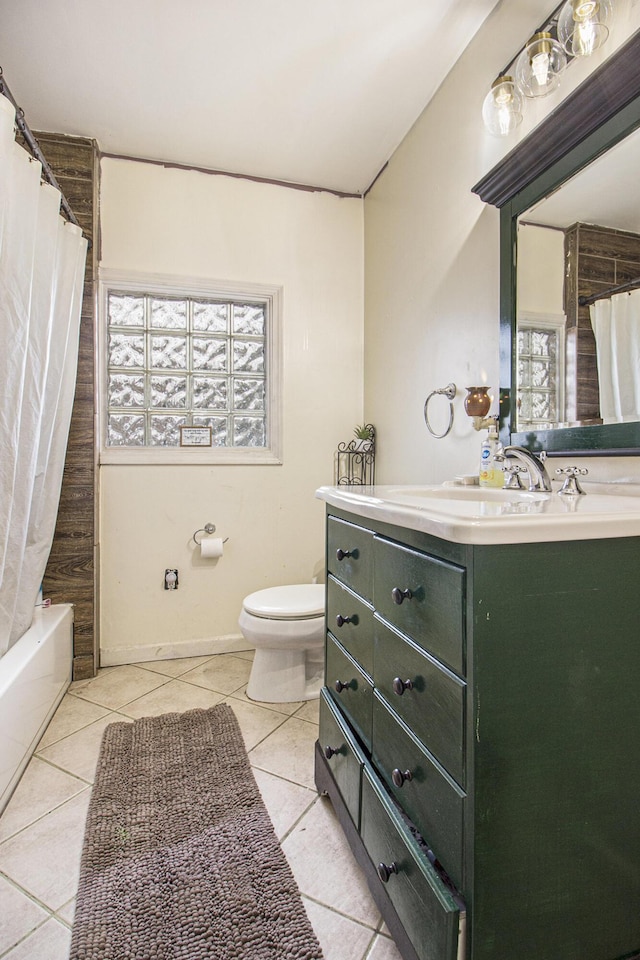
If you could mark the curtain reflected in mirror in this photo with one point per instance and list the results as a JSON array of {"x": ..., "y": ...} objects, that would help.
[{"x": 616, "y": 326}]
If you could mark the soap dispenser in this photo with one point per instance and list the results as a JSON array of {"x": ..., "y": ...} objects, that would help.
[{"x": 491, "y": 472}]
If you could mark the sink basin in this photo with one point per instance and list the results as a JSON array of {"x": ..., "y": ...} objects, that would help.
[
  {"x": 485, "y": 515},
  {"x": 468, "y": 493}
]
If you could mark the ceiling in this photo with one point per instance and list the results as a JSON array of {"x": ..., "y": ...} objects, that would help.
[{"x": 311, "y": 93}]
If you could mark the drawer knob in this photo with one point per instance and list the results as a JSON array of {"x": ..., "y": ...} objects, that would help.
[
  {"x": 399, "y": 686},
  {"x": 331, "y": 752},
  {"x": 399, "y": 777},
  {"x": 343, "y": 554},
  {"x": 340, "y": 686},
  {"x": 399, "y": 595},
  {"x": 385, "y": 870},
  {"x": 340, "y": 620}
]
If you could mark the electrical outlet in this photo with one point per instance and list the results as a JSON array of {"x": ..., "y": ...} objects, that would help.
[{"x": 171, "y": 579}]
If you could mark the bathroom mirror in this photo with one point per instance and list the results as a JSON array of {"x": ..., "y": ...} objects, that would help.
[{"x": 570, "y": 228}]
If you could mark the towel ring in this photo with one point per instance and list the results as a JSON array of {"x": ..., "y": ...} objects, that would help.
[
  {"x": 449, "y": 392},
  {"x": 208, "y": 528}
]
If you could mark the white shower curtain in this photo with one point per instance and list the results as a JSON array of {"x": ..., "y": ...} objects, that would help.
[
  {"x": 42, "y": 260},
  {"x": 616, "y": 325}
]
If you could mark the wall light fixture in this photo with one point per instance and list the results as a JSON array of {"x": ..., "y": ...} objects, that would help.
[
  {"x": 539, "y": 66},
  {"x": 583, "y": 26},
  {"x": 576, "y": 28},
  {"x": 477, "y": 404}
]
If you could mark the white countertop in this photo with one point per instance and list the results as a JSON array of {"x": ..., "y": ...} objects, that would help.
[{"x": 479, "y": 515}]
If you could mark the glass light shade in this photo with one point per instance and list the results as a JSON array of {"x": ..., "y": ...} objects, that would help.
[
  {"x": 477, "y": 401},
  {"x": 502, "y": 107},
  {"x": 539, "y": 66},
  {"x": 583, "y": 26}
]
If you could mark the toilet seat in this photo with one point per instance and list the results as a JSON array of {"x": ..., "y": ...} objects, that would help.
[{"x": 302, "y": 601}]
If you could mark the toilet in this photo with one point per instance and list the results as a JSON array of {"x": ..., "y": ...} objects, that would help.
[{"x": 286, "y": 626}]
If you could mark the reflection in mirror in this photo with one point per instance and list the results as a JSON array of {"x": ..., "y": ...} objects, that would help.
[{"x": 578, "y": 298}]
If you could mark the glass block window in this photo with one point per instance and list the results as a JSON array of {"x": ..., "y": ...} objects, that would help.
[
  {"x": 174, "y": 360},
  {"x": 540, "y": 373}
]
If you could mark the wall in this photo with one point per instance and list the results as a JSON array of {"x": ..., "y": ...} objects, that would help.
[
  {"x": 431, "y": 258},
  {"x": 70, "y": 573},
  {"x": 192, "y": 224}
]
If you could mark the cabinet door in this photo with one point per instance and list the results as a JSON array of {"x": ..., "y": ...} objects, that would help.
[
  {"x": 423, "y": 597},
  {"x": 350, "y": 555},
  {"x": 343, "y": 755},
  {"x": 351, "y": 621},
  {"x": 430, "y": 913},
  {"x": 427, "y": 697},
  {"x": 350, "y": 689},
  {"x": 431, "y": 799}
]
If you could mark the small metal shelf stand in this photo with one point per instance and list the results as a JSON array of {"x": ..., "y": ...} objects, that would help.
[{"x": 355, "y": 461}]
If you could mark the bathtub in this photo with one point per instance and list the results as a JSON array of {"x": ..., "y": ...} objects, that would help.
[{"x": 34, "y": 674}]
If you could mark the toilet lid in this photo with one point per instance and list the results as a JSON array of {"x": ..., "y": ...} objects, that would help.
[{"x": 298, "y": 602}]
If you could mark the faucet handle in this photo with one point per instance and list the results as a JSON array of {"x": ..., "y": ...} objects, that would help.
[
  {"x": 571, "y": 486},
  {"x": 513, "y": 471}
]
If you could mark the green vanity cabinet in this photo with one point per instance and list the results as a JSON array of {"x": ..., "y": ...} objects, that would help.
[{"x": 491, "y": 736}]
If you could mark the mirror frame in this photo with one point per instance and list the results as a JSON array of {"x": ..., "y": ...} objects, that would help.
[{"x": 598, "y": 114}]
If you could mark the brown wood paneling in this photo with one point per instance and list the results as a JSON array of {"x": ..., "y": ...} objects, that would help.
[
  {"x": 70, "y": 573},
  {"x": 596, "y": 258}
]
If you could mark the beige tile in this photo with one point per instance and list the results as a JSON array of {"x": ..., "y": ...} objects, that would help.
[
  {"x": 115, "y": 686},
  {"x": 309, "y": 711},
  {"x": 245, "y": 654},
  {"x": 288, "y": 752},
  {"x": 256, "y": 722},
  {"x": 324, "y": 867},
  {"x": 44, "y": 859},
  {"x": 340, "y": 937},
  {"x": 285, "y": 802},
  {"x": 384, "y": 949},
  {"x": 67, "y": 912},
  {"x": 18, "y": 915},
  {"x": 78, "y": 754},
  {"x": 223, "y": 673},
  {"x": 172, "y": 697},
  {"x": 173, "y": 668},
  {"x": 288, "y": 709},
  {"x": 41, "y": 789},
  {"x": 72, "y": 714},
  {"x": 49, "y": 942}
]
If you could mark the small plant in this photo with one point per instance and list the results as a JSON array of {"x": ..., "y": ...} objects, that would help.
[{"x": 364, "y": 432}]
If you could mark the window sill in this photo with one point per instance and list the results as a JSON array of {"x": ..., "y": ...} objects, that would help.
[{"x": 180, "y": 456}]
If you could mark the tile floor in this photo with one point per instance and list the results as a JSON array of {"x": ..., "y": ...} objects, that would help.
[{"x": 41, "y": 830}]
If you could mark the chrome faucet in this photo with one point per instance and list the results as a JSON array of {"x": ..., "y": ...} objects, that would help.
[{"x": 538, "y": 477}]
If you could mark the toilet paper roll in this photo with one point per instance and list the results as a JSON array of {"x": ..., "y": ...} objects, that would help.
[{"x": 211, "y": 547}]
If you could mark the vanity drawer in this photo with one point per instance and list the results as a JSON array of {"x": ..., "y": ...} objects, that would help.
[
  {"x": 423, "y": 597},
  {"x": 350, "y": 555},
  {"x": 351, "y": 620},
  {"x": 432, "y": 917},
  {"x": 433, "y": 801},
  {"x": 426, "y": 696},
  {"x": 344, "y": 757},
  {"x": 350, "y": 688}
]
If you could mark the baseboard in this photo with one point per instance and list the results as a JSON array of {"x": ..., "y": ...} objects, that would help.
[{"x": 203, "y": 647}]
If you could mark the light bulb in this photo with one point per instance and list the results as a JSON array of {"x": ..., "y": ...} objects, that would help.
[
  {"x": 502, "y": 107},
  {"x": 539, "y": 66}
]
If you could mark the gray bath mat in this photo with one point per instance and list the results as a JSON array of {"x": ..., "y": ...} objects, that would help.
[{"x": 180, "y": 859}]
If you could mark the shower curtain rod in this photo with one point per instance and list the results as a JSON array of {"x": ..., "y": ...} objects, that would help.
[
  {"x": 36, "y": 152},
  {"x": 630, "y": 285}
]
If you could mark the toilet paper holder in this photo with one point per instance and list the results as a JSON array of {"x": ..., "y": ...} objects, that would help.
[{"x": 208, "y": 528}]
